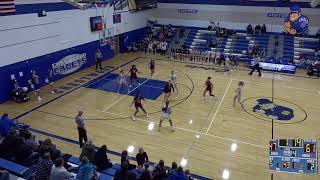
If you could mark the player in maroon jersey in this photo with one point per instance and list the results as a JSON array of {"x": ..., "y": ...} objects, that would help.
[
  {"x": 152, "y": 67},
  {"x": 133, "y": 74},
  {"x": 168, "y": 89},
  {"x": 209, "y": 87},
  {"x": 137, "y": 101}
]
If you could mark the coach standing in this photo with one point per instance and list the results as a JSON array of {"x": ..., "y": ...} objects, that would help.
[
  {"x": 81, "y": 129},
  {"x": 256, "y": 65},
  {"x": 98, "y": 59}
]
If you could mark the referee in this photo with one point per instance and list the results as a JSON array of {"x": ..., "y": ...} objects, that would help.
[
  {"x": 98, "y": 59},
  {"x": 81, "y": 129},
  {"x": 256, "y": 65}
]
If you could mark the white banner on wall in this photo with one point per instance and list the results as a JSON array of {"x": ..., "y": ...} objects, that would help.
[
  {"x": 192, "y": 11},
  {"x": 277, "y": 15},
  {"x": 69, "y": 64}
]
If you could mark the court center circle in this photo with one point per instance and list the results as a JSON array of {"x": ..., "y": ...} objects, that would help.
[{"x": 280, "y": 110}]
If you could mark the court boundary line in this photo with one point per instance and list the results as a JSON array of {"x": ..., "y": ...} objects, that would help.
[
  {"x": 218, "y": 108},
  {"x": 189, "y": 130}
]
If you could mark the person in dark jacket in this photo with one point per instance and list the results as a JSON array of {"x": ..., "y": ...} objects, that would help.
[
  {"x": 124, "y": 158},
  {"x": 141, "y": 157},
  {"x": 48, "y": 146},
  {"x": 88, "y": 150},
  {"x": 263, "y": 29},
  {"x": 160, "y": 172},
  {"x": 10, "y": 145},
  {"x": 178, "y": 174},
  {"x": 174, "y": 167},
  {"x": 124, "y": 173},
  {"x": 146, "y": 174},
  {"x": 249, "y": 29},
  {"x": 101, "y": 160}
]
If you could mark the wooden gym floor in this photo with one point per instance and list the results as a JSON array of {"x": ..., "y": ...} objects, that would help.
[{"x": 205, "y": 141}]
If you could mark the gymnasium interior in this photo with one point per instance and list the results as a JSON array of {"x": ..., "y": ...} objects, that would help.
[{"x": 68, "y": 95}]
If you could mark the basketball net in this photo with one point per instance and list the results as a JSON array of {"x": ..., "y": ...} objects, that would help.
[{"x": 106, "y": 35}]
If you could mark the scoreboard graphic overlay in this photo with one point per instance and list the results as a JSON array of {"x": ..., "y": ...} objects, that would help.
[{"x": 294, "y": 156}]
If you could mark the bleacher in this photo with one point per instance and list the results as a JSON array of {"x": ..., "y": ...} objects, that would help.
[
  {"x": 276, "y": 45},
  {"x": 22, "y": 172}
]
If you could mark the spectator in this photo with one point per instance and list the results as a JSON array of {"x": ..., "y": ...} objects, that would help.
[
  {"x": 101, "y": 160},
  {"x": 124, "y": 158},
  {"x": 160, "y": 172},
  {"x": 4, "y": 175},
  {"x": 58, "y": 172},
  {"x": 187, "y": 172},
  {"x": 19, "y": 94},
  {"x": 6, "y": 124},
  {"x": 178, "y": 174},
  {"x": 173, "y": 168},
  {"x": 141, "y": 157},
  {"x": 47, "y": 146},
  {"x": 24, "y": 155},
  {"x": 257, "y": 29},
  {"x": 146, "y": 174},
  {"x": 213, "y": 43},
  {"x": 249, "y": 29},
  {"x": 318, "y": 34},
  {"x": 43, "y": 168},
  {"x": 124, "y": 173},
  {"x": 263, "y": 29},
  {"x": 317, "y": 53},
  {"x": 9, "y": 146},
  {"x": 88, "y": 150},
  {"x": 31, "y": 141},
  {"x": 86, "y": 169}
]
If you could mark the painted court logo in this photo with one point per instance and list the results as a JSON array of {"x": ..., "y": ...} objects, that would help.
[
  {"x": 69, "y": 63},
  {"x": 270, "y": 110},
  {"x": 296, "y": 23}
]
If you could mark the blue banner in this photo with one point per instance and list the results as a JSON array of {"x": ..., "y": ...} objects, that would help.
[{"x": 276, "y": 67}]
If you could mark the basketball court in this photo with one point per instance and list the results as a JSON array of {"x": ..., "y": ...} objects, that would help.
[{"x": 204, "y": 129}]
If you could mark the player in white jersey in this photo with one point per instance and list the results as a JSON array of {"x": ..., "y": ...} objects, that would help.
[
  {"x": 166, "y": 112},
  {"x": 173, "y": 79},
  {"x": 227, "y": 66},
  {"x": 238, "y": 95},
  {"x": 122, "y": 80}
]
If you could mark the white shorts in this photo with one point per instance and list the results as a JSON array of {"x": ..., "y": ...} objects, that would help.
[
  {"x": 165, "y": 116},
  {"x": 123, "y": 81}
]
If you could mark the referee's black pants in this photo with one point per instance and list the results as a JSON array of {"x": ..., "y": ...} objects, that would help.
[
  {"x": 98, "y": 63},
  {"x": 256, "y": 67},
  {"x": 82, "y": 136}
]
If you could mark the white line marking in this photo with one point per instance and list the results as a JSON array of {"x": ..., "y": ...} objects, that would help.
[
  {"x": 215, "y": 114},
  {"x": 127, "y": 93},
  {"x": 189, "y": 130}
]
